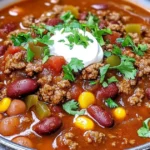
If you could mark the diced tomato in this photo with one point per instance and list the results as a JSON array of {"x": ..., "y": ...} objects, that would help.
[
  {"x": 75, "y": 91},
  {"x": 55, "y": 64},
  {"x": 112, "y": 37},
  {"x": 12, "y": 50}
]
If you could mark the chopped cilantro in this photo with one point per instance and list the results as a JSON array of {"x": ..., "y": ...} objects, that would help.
[
  {"x": 30, "y": 55},
  {"x": 144, "y": 131},
  {"x": 103, "y": 71},
  {"x": 79, "y": 39},
  {"x": 71, "y": 107},
  {"x": 112, "y": 79},
  {"x": 92, "y": 19},
  {"x": 21, "y": 38},
  {"x": 107, "y": 53},
  {"x": 92, "y": 82},
  {"x": 68, "y": 75},
  {"x": 110, "y": 103},
  {"x": 46, "y": 54},
  {"x": 39, "y": 30},
  {"x": 76, "y": 64},
  {"x": 116, "y": 50},
  {"x": 45, "y": 40},
  {"x": 67, "y": 17},
  {"x": 127, "y": 69},
  {"x": 104, "y": 84},
  {"x": 128, "y": 42}
]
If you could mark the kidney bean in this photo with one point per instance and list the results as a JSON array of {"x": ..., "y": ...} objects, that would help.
[
  {"x": 9, "y": 126},
  {"x": 24, "y": 141},
  {"x": 147, "y": 92},
  {"x": 56, "y": 109},
  {"x": 21, "y": 87},
  {"x": 102, "y": 24},
  {"x": 53, "y": 21},
  {"x": 83, "y": 15},
  {"x": 3, "y": 48},
  {"x": 9, "y": 27},
  {"x": 100, "y": 6},
  {"x": 16, "y": 107},
  {"x": 100, "y": 115},
  {"x": 48, "y": 125},
  {"x": 108, "y": 92}
]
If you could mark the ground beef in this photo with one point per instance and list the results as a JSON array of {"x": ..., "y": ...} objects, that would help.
[
  {"x": 14, "y": 62},
  {"x": 143, "y": 66},
  {"x": 125, "y": 86},
  {"x": 114, "y": 16},
  {"x": 46, "y": 15},
  {"x": 108, "y": 47},
  {"x": 136, "y": 98},
  {"x": 58, "y": 9},
  {"x": 28, "y": 20},
  {"x": 91, "y": 72},
  {"x": 45, "y": 80},
  {"x": 55, "y": 94},
  {"x": 34, "y": 67},
  {"x": 125, "y": 19},
  {"x": 3, "y": 93},
  {"x": 68, "y": 140},
  {"x": 94, "y": 136},
  {"x": 115, "y": 27}
]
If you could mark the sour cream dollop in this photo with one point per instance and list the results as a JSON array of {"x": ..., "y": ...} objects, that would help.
[{"x": 93, "y": 53}]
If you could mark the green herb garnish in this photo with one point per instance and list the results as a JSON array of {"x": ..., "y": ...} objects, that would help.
[{"x": 110, "y": 103}]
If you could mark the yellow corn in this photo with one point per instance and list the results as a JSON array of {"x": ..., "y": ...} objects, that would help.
[
  {"x": 4, "y": 104},
  {"x": 74, "y": 10},
  {"x": 84, "y": 123},
  {"x": 119, "y": 113},
  {"x": 86, "y": 99}
]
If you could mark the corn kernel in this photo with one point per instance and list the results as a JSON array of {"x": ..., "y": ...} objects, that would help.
[
  {"x": 86, "y": 99},
  {"x": 84, "y": 123},
  {"x": 119, "y": 113},
  {"x": 4, "y": 104}
]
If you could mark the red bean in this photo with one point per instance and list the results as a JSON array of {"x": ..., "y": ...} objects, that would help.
[
  {"x": 24, "y": 141},
  {"x": 102, "y": 24},
  {"x": 21, "y": 87},
  {"x": 147, "y": 92},
  {"x": 48, "y": 125},
  {"x": 83, "y": 15},
  {"x": 100, "y": 6},
  {"x": 108, "y": 92},
  {"x": 56, "y": 109},
  {"x": 54, "y": 21},
  {"x": 9, "y": 27},
  {"x": 3, "y": 48},
  {"x": 100, "y": 115}
]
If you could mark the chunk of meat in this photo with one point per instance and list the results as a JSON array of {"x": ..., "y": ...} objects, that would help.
[
  {"x": 68, "y": 140},
  {"x": 55, "y": 93},
  {"x": 34, "y": 67},
  {"x": 124, "y": 86},
  {"x": 28, "y": 20},
  {"x": 91, "y": 72},
  {"x": 113, "y": 16},
  {"x": 94, "y": 136},
  {"x": 45, "y": 80},
  {"x": 137, "y": 97},
  {"x": 14, "y": 62}
]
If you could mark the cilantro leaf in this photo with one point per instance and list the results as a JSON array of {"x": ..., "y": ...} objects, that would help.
[
  {"x": 144, "y": 131},
  {"x": 76, "y": 64},
  {"x": 30, "y": 55},
  {"x": 116, "y": 50},
  {"x": 128, "y": 42},
  {"x": 112, "y": 79},
  {"x": 39, "y": 30},
  {"x": 110, "y": 103},
  {"x": 103, "y": 71},
  {"x": 20, "y": 38},
  {"x": 92, "y": 19},
  {"x": 92, "y": 82},
  {"x": 107, "y": 53},
  {"x": 104, "y": 84},
  {"x": 127, "y": 69},
  {"x": 71, "y": 108},
  {"x": 67, "y": 17},
  {"x": 68, "y": 75}
]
